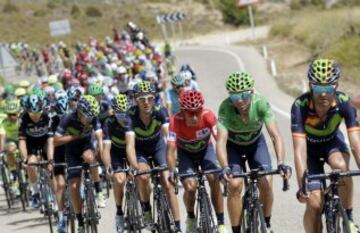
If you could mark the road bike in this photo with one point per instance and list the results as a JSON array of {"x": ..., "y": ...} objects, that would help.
[
  {"x": 335, "y": 217},
  {"x": 90, "y": 210}
]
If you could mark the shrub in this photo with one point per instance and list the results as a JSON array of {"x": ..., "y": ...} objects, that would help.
[
  {"x": 51, "y": 5},
  {"x": 10, "y": 8},
  {"x": 232, "y": 14},
  {"x": 282, "y": 28},
  {"x": 92, "y": 11},
  {"x": 75, "y": 11},
  {"x": 39, "y": 13}
]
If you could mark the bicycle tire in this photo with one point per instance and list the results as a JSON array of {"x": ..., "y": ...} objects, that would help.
[
  {"x": 207, "y": 219},
  {"x": 92, "y": 216},
  {"x": 244, "y": 223},
  {"x": 259, "y": 218},
  {"x": 48, "y": 210},
  {"x": 342, "y": 221},
  {"x": 133, "y": 215},
  {"x": 166, "y": 222},
  {"x": 6, "y": 187}
]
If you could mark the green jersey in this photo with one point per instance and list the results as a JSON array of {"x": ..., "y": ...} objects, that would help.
[
  {"x": 10, "y": 130},
  {"x": 242, "y": 133}
]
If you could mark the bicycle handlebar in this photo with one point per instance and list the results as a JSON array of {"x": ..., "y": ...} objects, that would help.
[
  {"x": 206, "y": 172},
  {"x": 152, "y": 171},
  {"x": 333, "y": 175},
  {"x": 83, "y": 166}
]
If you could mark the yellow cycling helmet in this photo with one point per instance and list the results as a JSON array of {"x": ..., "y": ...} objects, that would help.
[
  {"x": 20, "y": 91},
  {"x": 52, "y": 79},
  {"x": 24, "y": 84}
]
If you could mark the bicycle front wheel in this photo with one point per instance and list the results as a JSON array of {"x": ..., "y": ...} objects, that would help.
[
  {"x": 207, "y": 223},
  {"x": 259, "y": 219},
  {"x": 91, "y": 215},
  {"x": 166, "y": 221},
  {"x": 341, "y": 221}
]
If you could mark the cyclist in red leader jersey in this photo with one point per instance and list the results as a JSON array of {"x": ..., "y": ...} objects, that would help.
[{"x": 189, "y": 134}]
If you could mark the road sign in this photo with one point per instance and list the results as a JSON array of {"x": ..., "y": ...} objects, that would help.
[
  {"x": 170, "y": 17},
  {"x": 243, "y": 3},
  {"x": 59, "y": 28}
]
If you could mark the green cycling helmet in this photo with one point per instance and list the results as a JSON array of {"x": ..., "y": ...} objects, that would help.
[
  {"x": 324, "y": 71},
  {"x": 239, "y": 81},
  {"x": 9, "y": 89},
  {"x": 12, "y": 106},
  {"x": 95, "y": 90},
  {"x": 88, "y": 106},
  {"x": 144, "y": 87},
  {"x": 120, "y": 103}
]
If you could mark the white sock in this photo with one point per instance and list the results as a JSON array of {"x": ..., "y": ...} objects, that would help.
[{"x": 35, "y": 188}]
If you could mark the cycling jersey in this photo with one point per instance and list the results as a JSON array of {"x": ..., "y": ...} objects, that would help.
[
  {"x": 242, "y": 133},
  {"x": 10, "y": 130},
  {"x": 35, "y": 130},
  {"x": 104, "y": 110},
  {"x": 114, "y": 133},
  {"x": 59, "y": 151},
  {"x": 71, "y": 125},
  {"x": 192, "y": 138},
  {"x": 172, "y": 98},
  {"x": 148, "y": 135},
  {"x": 306, "y": 123}
]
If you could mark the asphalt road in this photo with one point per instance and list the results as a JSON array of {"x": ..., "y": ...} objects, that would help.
[{"x": 212, "y": 65}]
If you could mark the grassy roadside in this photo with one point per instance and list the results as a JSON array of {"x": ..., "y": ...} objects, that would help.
[
  {"x": 28, "y": 21},
  {"x": 296, "y": 38}
]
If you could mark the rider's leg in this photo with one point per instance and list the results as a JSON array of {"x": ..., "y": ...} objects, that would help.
[
  {"x": 234, "y": 202},
  {"x": 340, "y": 161},
  {"x": 119, "y": 180},
  {"x": 312, "y": 216}
]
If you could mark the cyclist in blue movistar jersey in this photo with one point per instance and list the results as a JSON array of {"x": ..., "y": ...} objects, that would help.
[
  {"x": 74, "y": 131},
  {"x": 150, "y": 123},
  {"x": 315, "y": 120}
]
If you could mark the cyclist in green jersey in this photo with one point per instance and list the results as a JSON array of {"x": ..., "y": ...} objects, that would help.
[
  {"x": 9, "y": 136},
  {"x": 241, "y": 117}
]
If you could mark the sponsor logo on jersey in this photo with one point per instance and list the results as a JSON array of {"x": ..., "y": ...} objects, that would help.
[{"x": 202, "y": 133}]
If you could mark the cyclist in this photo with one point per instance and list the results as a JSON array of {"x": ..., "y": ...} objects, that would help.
[
  {"x": 74, "y": 131},
  {"x": 150, "y": 123},
  {"x": 74, "y": 93},
  {"x": 189, "y": 135},
  {"x": 172, "y": 95},
  {"x": 119, "y": 144},
  {"x": 315, "y": 120},
  {"x": 241, "y": 117},
  {"x": 35, "y": 135},
  {"x": 61, "y": 108},
  {"x": 9, "y": 137}
]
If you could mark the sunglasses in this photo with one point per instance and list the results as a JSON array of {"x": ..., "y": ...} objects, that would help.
[
  {"x": 12, "y": 114},
  {"x": 327, "y": 89},
  {"x": 245, "y": 95},
  {"x": 35, "y": 113},
  {"x": 178, "y": 87},
  {"x": 148, "y": 98},
  {"x": 120, "y": 116}
]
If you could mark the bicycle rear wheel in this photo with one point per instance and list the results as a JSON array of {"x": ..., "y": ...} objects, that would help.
[{"x": 6, "y": 187}]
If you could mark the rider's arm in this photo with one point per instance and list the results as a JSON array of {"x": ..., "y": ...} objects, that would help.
[
  {"x": 50, "y": 148},
  {"x": 171, "y": 155},
  {"x": 22, "y": 148},
  {"x": 277, "y": 140},
  {"x": 354, "y": 139},
  {"x": 355, "y": 100},
  {"x": 2, "y": 137},
  {"x": 299, "y": 140},
  {"x": 105, "y": 158},
  {"x": 64, "y": 139},
  {"x": 222, "y": 136},
  {"x": 99, "y": 139},
  {"x": 130, "y": 149}
]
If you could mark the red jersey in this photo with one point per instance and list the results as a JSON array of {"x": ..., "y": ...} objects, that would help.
[{"x": 192, "y": 138}]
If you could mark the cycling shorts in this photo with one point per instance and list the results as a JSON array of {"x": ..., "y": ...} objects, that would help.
[
  {"x": 74, "y": 151},
  {"x": 256, "y": 154},
  {"x": 319, "y": 153},
  {"x": 205, "y": 158},
  {"x": 37, "y": 146},
  {"x": 118, "y": 157},
  {"x": 155, "y": 152}
]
